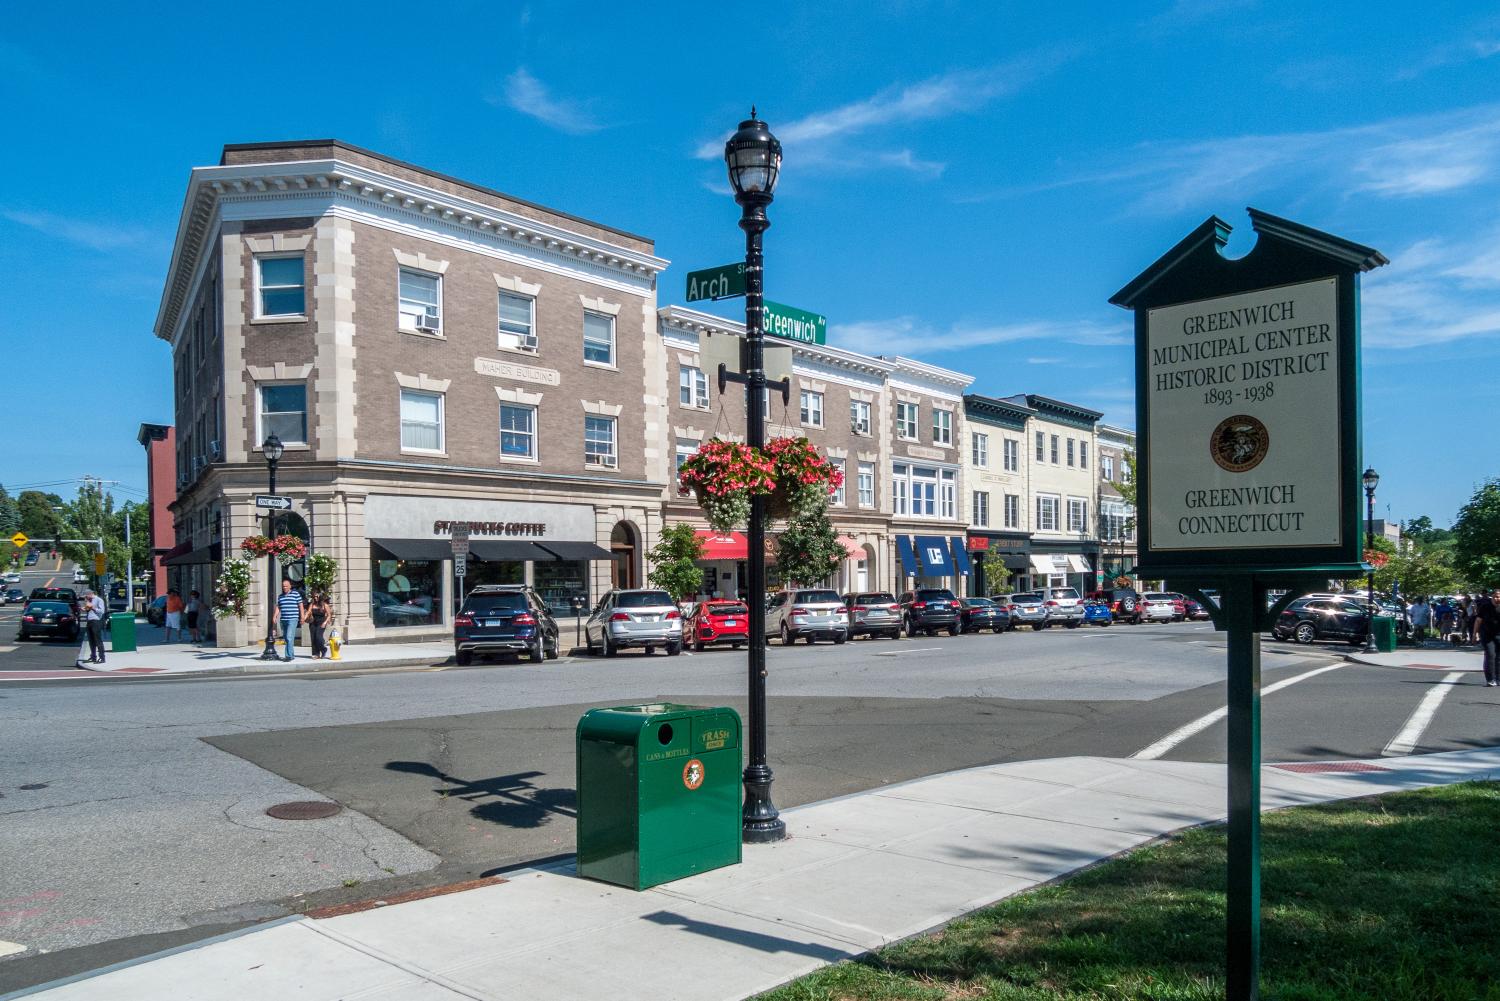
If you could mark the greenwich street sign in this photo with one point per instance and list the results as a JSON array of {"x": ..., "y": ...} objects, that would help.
[
  {"x": 724, "y": 282},
  {"x": 795, "y": 324}
]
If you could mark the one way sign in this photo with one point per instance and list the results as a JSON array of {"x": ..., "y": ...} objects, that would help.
[{"x": 274, "y": 502}]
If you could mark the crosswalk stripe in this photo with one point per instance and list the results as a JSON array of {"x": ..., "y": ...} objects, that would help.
[{"x": 1421, "y": 717}]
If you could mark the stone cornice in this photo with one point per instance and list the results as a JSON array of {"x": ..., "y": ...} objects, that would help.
[
  {"x": 922, "y": 370},
  {"x": 1068, "y": 413},
  {"x": 998, "y": 412}
]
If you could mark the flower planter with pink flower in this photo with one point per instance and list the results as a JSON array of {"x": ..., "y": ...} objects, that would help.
[
  {"x": 805, "y": 480},
  {"x": 286, "y": 548},
  {"x": 724, "y": 475}
]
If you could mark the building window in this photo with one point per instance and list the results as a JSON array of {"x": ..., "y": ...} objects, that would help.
[
  {"x": 283, "y": 412},
  {"x": 406, "y": 592},
  {"x": 866, "y": 484},
  {"x": 1083, "y": 455},
  {"x": 1046, "y": 513},
  {"x": 518, "y": 322},
  {"x": 517, "y": 431},
  {"x": 598, "y": 339},
  {"x": 1107, "y": 467},
  {"x": 1116, "y": 517},
  {"x": 942, "y": 427},
  {"x": 420, "y": 302},
  {"x": 692, "y": 387},
  {"x": 686, "y": 449},
  {"x": 859, "y": 416},
  {"x": 1054, "y": 450},
  {"x": 1078, "y": 515},
  {"x": 281, "y": 281},
  {"x": 837, "y": 497},
  {"x": 1125, "y": 476},
  {"x": 981, "y": 449},
  {"x": 899, "y": 485},
  {"x": 599, "y": 442},
  {"x": 1012, "y": 511},
  {"x": 906, "y": 421},
  {"x": 1041, "y": 447},
  {"x": 1012, "y": 455},
  {"x": 948, "y": 495},
  {"x": 812, "y": 409},
  {"x": 1070, "y": 451},
  {"x": 981, "y": 509},
  {"x": 421, "y": 421}
]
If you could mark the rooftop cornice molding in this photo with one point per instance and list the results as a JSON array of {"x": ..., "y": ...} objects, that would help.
[
  {"x": 1047, "y": 406},
  {"x": 697, "y": 322},
  {"x": 211, "y": 187},
  {"x": 1003, "y": 412},
  {"x": 946, "y": 376},
  {"x": 1115, "y": 431}
]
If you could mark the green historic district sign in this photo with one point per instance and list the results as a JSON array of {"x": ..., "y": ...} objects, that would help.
[
  {"x": 795, "y": 324},
  {"x": 724, "y": 282}
]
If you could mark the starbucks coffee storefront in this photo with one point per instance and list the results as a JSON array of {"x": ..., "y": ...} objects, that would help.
[{"x": 411, "y": 586}]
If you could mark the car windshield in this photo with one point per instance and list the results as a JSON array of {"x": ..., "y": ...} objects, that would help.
[
  {"x": 934, "y": 594},
  {"x": 642, "y": 599},
  {"x": 727, "y": 608},
  {"x": 818, "y": 596},
  {"x": 44, "y": 607},
  {"x": 485, "y": 604},
  {"x": 979, "y": 602},
  {"x": 1026, "y": 599},
  {"x": 1065, "y": 592},
  {"x": 875, "y": 598},
  {"x": 1158, "y": 596}
]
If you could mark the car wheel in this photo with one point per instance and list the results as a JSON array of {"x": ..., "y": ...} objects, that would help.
[
  {"x": 673, "y": 649},
  {"x": 911, "y": 629},
  {"x": 810, "y": 639},
  {"x": 786, "y": 636},
  {"x": 1074, "y": 625},
  {"x": 737, "y": 646},
  {"x": 697, "y": 645},
  {"x": 999, "y": 630},
  {"x": 463, "y": 658},
  {"x": 610, "y": 650},
  {"x": 953, "y": 629},
  {"x": 1106, "y": 623},
  {"x": 1305, "y": 632},
  {"x": 555, "y": 650},
  {"x": 536, "y": 653},
  {"x": 838, "y": 639},
  {"x": 1041, "y": 625}
]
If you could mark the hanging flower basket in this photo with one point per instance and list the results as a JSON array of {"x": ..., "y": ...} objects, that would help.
[
  {"x": 286, "y": 548},
  {"x": 724, "y": 475},
  {"x": 804, "y": 479}
]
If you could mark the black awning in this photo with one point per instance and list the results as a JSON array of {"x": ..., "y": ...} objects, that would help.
[
  {"x": 506, "y": 549},
  {"x": 1014, "y": 561},
  {"x": 575, "y": 550},
  {"x": 412, "y": 549},
  {"x": 194, "y": 557}
]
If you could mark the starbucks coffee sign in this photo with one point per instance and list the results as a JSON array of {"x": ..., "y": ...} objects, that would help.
[{"x": 1246, "y": 389}]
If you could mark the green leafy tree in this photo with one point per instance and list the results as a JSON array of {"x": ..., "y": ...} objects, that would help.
[
  {"x": 808, "y": 552},
  {"x": 10, "y": 515},
  {"x": 1476, "y": 537},
  {"x": 38, "y": 517},
  {"x": 92, "y": 515},
  {"x": 996, "y": 575},
  {"x": 674, "y": 562},
  {"x": 1127, "y": 484},
  {"x": 1418, "y": 570}
]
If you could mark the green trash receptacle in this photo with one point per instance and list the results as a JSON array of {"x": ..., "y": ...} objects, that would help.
[
  {"x": 122, "y": 632},
  {"x": 1385, "y": 633},
  {"x": 658, "y": 792}
]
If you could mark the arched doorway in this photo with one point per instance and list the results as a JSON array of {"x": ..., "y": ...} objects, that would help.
[
  {"x": 624, "y": 549},
  {"x": 864, "y": 569}
]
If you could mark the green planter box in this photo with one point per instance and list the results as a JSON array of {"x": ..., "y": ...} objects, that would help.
[
  {"x": 122, "y": 632},
  {"x": 658, "y": 792}
]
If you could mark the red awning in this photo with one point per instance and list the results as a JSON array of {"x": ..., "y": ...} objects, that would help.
[
  {"x": 723, "y": 547},
  {"x": 853, "y": 548}
]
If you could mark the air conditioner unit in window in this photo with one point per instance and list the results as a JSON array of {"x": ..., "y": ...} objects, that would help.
[
  {"x": 215, "y": 451},
  {"x": 197, "y": 464},
  {"x": 607, "y": 461},
  {"x": 428, "y": 321},
  {"x": 528, "y": 342}
]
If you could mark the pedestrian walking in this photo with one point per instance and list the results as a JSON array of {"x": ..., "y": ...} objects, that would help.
[
  {"x": 1421, "y": 616},
  {"x": 319, "y": 618},
  {"x": 173, "y": 611},
  {"x": 1471, "y": 618},
  {"x": 91, "y": 610},
  {"x": 190, "y": 611},
  {"x": 293, "y": 613},
  {"x": 1487, "y": 625}
]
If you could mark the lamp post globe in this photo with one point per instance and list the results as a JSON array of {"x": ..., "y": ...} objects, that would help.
[
  {"x": 272, "y": 448},
  {"x": 1370, "y": 479},
  {"x": 753, "y": 156}
]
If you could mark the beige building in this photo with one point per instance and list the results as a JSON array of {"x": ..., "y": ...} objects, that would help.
[
  {"x": 428, "y": 351},
  {"x": 997, "y": 472},
  {"x": 1116, "y": 517}
]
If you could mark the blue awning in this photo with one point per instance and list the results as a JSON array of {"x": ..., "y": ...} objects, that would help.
[
  {"x": 908, "y": 558},
  {"x": 932, "y": 550},
  {"x": 960, "y": 554}
]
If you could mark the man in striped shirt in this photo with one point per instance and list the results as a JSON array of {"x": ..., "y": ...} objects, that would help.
[{"x": 292, "y": 612}]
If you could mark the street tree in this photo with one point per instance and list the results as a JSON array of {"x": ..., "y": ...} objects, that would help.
[
  {"x": 39, "y": 517},
  {"x": 674, "y": 562},
  {"x": 1128, "y": 481},
  {"x": 1476, "y": 537},
  {"x": 10, "y": 515},
  {"x": 808, "y": 551},
  {"x": 1419, "y": 571}
]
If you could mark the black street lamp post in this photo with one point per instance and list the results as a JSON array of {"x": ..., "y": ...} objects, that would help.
[
  {"x": 271, "y": 448},
  {"x": 753, "y": 156},
  {"x": 1370, "y": 479}
]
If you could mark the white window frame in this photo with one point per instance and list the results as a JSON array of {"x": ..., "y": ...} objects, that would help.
[
  {"x": 1012, "y": 451},
  {"x": 980, "y": 450},
  {"x": 1070, "y": 451},
  {"x": 859, "y": 417},
  {"x": 942, "y": 426},
  {"x": 526, "y": 343},
  {"x": 441, "y": 423},
  {"x": 866, "y": 484},
  {"x": 907, "y": 417},
  {"x": 261, "y": 287},
  {"x": 685, "y": 450},
  {"x": 1041, "y": 447},
  {"x": 1012, "y": 510},
  {"x": 948, "y": 494},
  {"x": 260, "y": 412},
  {"x": 1107, "y": 467},
  {"x": 981, "y": 509},
  {"x": 810, "y": 408},
  {"x": 532, "y": 454},
  {"x": 692, "y": 387},
  {"x": 613, "y": 340},
  {"x": 413, "y": 306},
  {"x": 1125, "y": 476},
  {"x": 1053, "y": 451},
  {"x": 837, "y": 498},
  {"x": 900, "y": 488},
  {"x": 1048, "y": 510},
  {"x": 602, "y": 460},
  {"x": 1080, "y": 507},
  {"x": 1083, "y": 455}
]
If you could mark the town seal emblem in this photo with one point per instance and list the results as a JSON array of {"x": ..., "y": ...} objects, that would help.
[
  {"x": 692, "y": 774},
  {"x": 1239, "y": 443}
]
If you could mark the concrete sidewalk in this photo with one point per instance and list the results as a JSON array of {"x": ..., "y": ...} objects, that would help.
[
  {"x": 1435, "y": 658},
  {"x": 857, "y": 873}
]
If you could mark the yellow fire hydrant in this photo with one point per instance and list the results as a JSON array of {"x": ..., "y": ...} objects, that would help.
[{"x": 333, "y": 645}]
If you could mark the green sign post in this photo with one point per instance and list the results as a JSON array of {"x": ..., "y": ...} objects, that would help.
[
  {"x": 1235, "y": 360},
  {"x": 795, "y": 324},
  {"x": 724, "y": 282}
]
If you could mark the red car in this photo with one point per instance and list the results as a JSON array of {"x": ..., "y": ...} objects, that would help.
[
  {"x": 1179, "y": 606},
  {"x": 721, "y": 621}
]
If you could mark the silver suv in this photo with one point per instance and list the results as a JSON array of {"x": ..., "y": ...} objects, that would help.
[
  {"x": 873, "y": 613},
  {"x": 640, "y": 617},
  {"x": 1026, "y": 609},
  {"x": 807, "y": 613},
  {"x": 1063, "y": 606}
]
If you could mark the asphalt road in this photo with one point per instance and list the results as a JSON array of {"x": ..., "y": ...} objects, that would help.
[
  {"x": 132, "y": 815},
  {"x": 35, "y": 655}
]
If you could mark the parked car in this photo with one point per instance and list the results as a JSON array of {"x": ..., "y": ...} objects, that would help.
[
  {"x": 55, "y": 619},
  {"x": 387, "y": 610},
  {"x": 873, "y": 613},
  {"x": 156, "y": 611},
  {"x": 1307, "y": 620},
  {"x": 1194, "y": 610},
  {"x": 978, "y": 614},
  {"x": 928, "y": 609},
  {"x": 807, "y": 613},
  {"x": 1064, "y": 607},
  {"x": 1158, "y": 606},
  {"x": 1025, "y": 608},
  {"x": 719, "y": 620},
  {"x": 12, "y": 578},
  {"x": 54, "y": 594},
  {"x": 504, "y": 618},
  {"x": 1123, "y": 602},
  {"x": 79, "y": 577},
  {"x": 1097, "y": 613},
  {"x": 634, "y": 617},
  {"x": 31, "y": 559},
  {"x": 14, "y": 596},
  {"x": 1179, "y": 605}
]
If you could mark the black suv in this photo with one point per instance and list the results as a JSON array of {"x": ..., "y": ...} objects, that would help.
[
  {"x": 928, "y": 609},
  {"x": 504, "y": 618},
  {"x": 1124, "y": 603}
]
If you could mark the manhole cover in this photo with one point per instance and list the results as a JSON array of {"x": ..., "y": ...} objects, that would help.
[{"x": 306, "y": 809}]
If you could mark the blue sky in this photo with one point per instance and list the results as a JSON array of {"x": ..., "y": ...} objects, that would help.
[{"x": 967, "y": 183}]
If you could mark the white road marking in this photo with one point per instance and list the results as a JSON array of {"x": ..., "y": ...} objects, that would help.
[
  {"x": 1202, "y": 723},
  {"x": 1421, "y": 717},
  {"x": 9, "y": 649},
  {"x": 10, "y": 948},
  {"x": 901, "y": 653}
]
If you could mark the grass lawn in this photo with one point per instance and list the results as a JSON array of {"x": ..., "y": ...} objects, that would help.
[{"x": 1390, "y": 898}]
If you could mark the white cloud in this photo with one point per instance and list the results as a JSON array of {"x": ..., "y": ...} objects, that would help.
[
  {"x": 528, "y": 95},
  {"x": 906, "y": 334},
  {"x": 1434, "y": 293},
  {"x": 1469, "y": 50},
  {"x": 96, "y": 236}
]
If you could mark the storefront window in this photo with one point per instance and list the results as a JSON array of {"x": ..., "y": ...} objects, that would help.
[
  {"x": 558, "y": 582},
  {"x": 406, "y": 592}
]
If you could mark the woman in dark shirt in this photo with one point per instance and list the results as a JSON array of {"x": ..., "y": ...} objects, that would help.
[{"x": 319, "y": 617}]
